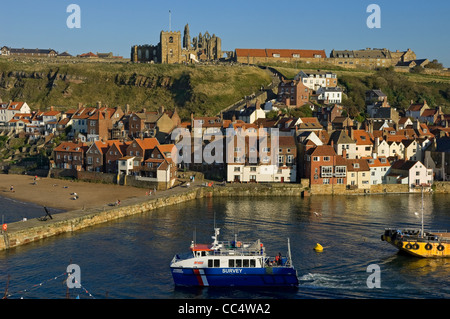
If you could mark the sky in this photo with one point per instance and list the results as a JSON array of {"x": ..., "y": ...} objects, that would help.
[{"x": 114, "y": 26}]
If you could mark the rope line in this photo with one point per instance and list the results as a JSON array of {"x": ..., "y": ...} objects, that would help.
[{"x": 39, "y": 285}]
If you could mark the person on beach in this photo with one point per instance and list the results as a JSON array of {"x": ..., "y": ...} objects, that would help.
[{"x": 11, "y": 188}]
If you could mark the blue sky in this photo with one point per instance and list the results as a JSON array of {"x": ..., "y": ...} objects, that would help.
[{"x": 292, "y": 24}]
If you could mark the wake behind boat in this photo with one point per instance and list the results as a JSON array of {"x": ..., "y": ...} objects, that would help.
[{"x": 232, "y": 263}]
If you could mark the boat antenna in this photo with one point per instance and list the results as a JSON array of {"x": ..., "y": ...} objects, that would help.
[{"x": 422, "y": 211}]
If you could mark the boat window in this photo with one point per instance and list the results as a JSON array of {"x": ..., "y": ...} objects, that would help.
[
  {"x": 252, "y": 263},
  {"x": 238, "y": 262},
  {"x": 231, "y": 263},
  {"x": 213, "y": 263},
  {"x": 245, "y": 262}
]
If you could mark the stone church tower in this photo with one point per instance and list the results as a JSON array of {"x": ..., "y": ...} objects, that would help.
[{"x": 170, "y": 43}]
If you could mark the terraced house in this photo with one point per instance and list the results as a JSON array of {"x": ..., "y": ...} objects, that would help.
[
  {"x": 70, "y": 155},
  {"x": 324, "y": 166}
]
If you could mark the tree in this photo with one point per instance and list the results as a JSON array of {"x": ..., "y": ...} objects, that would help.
[{"x": 434, "y": 65}]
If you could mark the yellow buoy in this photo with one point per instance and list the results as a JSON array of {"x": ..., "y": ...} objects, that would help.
[{"x": 318, "y": 247}]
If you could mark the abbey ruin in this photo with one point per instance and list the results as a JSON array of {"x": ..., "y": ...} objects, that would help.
[{"x": 172, "y": 49}]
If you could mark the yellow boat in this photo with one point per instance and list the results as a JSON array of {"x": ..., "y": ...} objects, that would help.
[
  {"x": 417, "y": 242},
  {"x": 411, "y": 241}
]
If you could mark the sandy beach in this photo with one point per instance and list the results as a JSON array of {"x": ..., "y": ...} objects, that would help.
[{"x": 58, "y": 193}]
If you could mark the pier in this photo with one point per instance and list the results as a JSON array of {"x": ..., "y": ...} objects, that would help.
[{"x": 23, "y": 232}]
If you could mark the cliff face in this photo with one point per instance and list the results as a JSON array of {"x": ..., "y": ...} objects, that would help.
[{"x": 198, "y": 89}]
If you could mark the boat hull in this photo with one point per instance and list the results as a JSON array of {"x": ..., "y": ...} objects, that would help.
[{"x": 236, "y": 277}]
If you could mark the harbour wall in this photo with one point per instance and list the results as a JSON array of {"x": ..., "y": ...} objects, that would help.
[
  {"x": 23, "y": 232},
  {"x": 20, "y": 233}
]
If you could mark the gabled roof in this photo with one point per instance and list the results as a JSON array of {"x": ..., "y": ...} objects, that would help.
[
  {"x": 147, "y": 143},
  {"x": 362, "y": 137},
  {"x": 323, "y": 150},
  {"x": 15, "y": 105},
  {"x": 404, "y": 165},
  {"x": 379, "y": 161},
  {"x": 70, "y": 147},
  {"x": 362, "y": 166},
  {"x": 341, "y": 137}
]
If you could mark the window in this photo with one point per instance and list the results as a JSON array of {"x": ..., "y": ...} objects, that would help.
[
  {"x": 326, "y": 181},
  {"x": 290, "y": 159},
  {"x": 214, "y": 263},
  {"x": 327, "y": 171},
  {"x": 237, "y": 169},
  {"x": 316, "y": 158},
  {"x": 326, "y": 158},
  {"x": 341, "y": 171}
]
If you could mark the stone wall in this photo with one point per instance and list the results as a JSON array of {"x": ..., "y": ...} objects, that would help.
[
  {"x": 441, "y": 187},
  {"x": 343, "y": 190}
]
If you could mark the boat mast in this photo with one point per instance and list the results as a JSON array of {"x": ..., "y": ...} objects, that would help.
[
  {"x": 422, "y": 211},
  {"x": 289, "y": 253}
]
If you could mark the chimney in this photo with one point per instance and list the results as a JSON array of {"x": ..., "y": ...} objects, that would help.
[
  {"x": 99, "y": 104},
  {"x": 258, "y": 105},
  {"x": 161, "y": 109},
  {"x": 344, "y": 153},
  {"x": 127, "y": 108}
]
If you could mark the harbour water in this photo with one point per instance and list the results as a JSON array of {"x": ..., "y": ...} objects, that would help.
[{"x": 129, "y": 258}]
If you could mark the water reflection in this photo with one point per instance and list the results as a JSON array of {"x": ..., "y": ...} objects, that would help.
[{"x": 129, "y": 258}]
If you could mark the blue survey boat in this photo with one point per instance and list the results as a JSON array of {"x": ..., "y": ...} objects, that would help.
[{"x": 232, "y": 263}]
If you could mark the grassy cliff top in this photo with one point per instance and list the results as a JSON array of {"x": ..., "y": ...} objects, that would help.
[{"x": 202, "y": 89}]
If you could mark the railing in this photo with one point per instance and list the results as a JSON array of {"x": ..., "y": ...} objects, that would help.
[{"x": 414, "y": 235}]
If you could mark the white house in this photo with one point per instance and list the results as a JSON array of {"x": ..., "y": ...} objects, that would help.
[
  {"x": 413, "y": 173},
  {"x": 252, "y": 113},
  {"x": 330, "y": 95},
  {"x": 282, "y": 169},
  {"x": 315, "y": 80},
  {"x": 8, "y": 110},
  {"x": 379, "y": 169},
  {"x": 125, "y": 165},
  {"x": 19, "y": 121}
]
